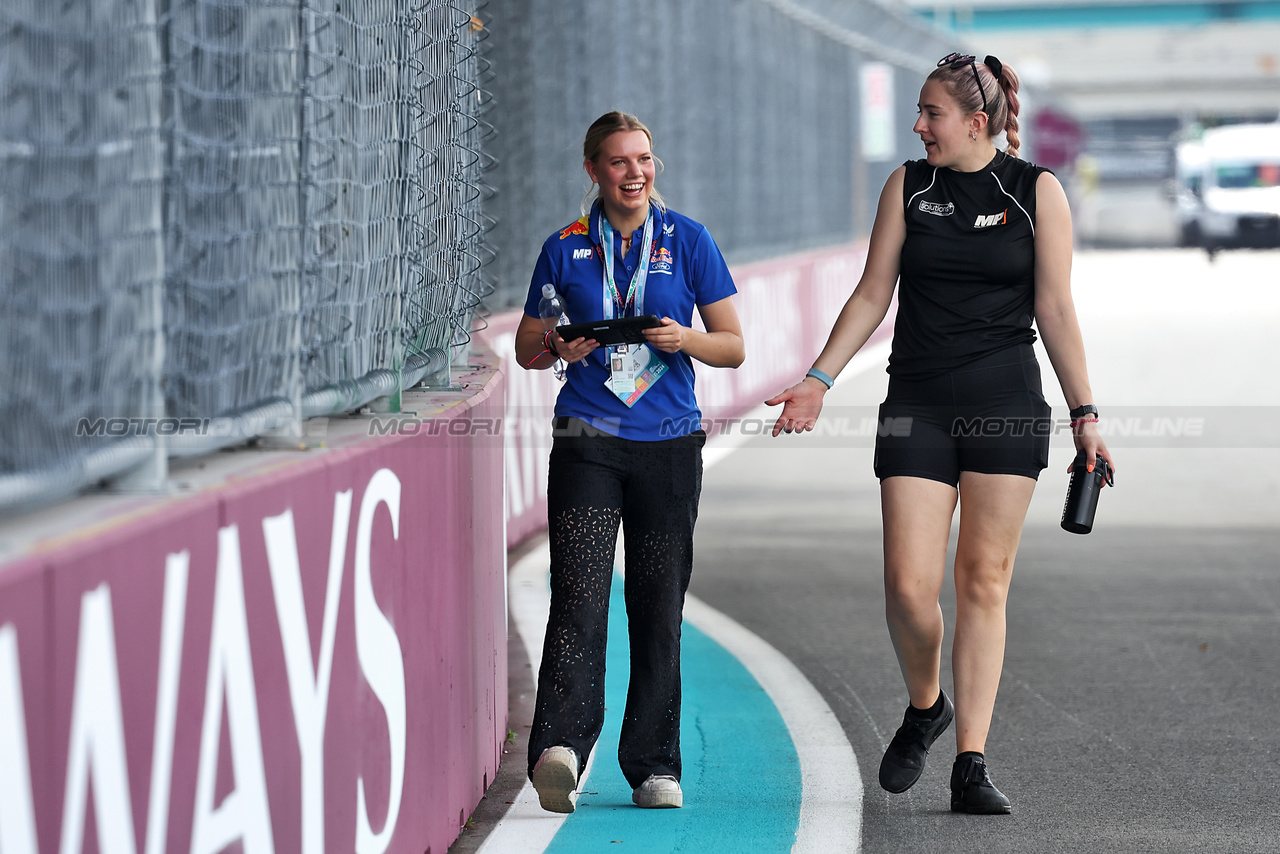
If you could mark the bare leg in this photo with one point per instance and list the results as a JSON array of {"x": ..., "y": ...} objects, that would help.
[
  {"x": 917, "y": 521},
  {"x": 992, "y": 510}
]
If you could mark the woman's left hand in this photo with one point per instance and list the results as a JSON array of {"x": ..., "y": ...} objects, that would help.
[
  {"x": 1089, "y": 440},
  {"x": 669, "y": 337}
]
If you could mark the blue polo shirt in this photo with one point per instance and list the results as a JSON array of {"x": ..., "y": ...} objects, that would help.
[{"x": 686, "y": 270}]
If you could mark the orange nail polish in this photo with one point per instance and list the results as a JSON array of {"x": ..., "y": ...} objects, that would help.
[{"x": 1090, "y": 467}]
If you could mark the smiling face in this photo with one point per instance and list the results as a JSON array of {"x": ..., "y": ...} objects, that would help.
[
  {"x": 624, "y": 169},
  {"x": 946, "y": 131}
]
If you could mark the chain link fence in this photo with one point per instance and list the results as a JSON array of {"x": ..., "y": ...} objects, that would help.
[
  {"x": 755, "y": 107},
  {"x": 249, "y": 211},
  {"x": 82, "y": 262},
  {"x": 256, "y": 211}
]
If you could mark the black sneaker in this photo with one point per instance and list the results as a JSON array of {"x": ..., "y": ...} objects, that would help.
[
  {"x": 903, "y": 761},
  {"x": 972, "y": 790}
]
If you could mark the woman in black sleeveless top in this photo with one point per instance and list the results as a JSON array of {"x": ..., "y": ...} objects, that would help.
[{"x": 980, "y": 243}]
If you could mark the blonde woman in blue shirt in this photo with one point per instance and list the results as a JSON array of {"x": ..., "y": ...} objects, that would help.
[{"x": 627, "y": 451}]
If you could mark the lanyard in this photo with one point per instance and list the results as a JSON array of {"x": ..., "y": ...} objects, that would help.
[{"x": 613, "y": 303}]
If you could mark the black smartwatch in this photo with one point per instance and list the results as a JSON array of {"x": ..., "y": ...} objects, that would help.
[{"x": 1082, "y": 411}]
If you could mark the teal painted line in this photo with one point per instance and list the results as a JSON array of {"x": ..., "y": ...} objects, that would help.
[
  {"x": 1108, "y": 15},
  {"x": 741, "y": 775}
]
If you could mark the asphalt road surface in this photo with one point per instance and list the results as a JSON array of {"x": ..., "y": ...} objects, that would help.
[{"x": 1140, "y": 701}]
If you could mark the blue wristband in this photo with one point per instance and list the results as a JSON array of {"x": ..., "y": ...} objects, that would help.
[{"x": 821, "y": 377}]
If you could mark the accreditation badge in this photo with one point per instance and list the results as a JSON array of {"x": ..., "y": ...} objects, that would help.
[{"x": 633, "y": 369}]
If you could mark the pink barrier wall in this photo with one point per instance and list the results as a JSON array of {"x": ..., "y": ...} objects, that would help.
[
  {"x": 307, "y": 653},
  {"x": 787, "y": 306}
]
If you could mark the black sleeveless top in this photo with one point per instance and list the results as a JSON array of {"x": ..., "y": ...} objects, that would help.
[{"x": 967, "y": 272}]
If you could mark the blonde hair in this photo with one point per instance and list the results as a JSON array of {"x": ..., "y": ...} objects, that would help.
[
  {"x": 600, "y": 130},
  {"x": 1001, "y": 96}
]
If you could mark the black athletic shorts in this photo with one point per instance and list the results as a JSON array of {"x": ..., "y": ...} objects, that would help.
[{"x": 989, "y": 416}]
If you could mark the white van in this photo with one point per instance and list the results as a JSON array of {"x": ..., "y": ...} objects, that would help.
[{"x": 1228, "y": 187}]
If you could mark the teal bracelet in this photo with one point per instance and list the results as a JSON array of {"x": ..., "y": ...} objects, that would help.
[{"x": 821, "y": 377}]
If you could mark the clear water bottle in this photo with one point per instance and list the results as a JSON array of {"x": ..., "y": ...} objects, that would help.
[{"x": 551, "y": 310}]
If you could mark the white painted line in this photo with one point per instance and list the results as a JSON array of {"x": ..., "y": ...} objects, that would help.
[
  {"x": 831, "y": 786},
  {"x": 831, "y": 796},
  {"x": 527, "y": 828}
]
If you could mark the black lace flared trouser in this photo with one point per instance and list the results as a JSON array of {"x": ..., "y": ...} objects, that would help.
[{"x": 597, "y": 481}]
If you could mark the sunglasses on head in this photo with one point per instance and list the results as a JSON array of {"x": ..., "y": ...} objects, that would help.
[{"x": 957, "y": 60}]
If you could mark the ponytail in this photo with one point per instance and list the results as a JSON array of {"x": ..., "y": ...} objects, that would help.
[{"x": 1008, "y": 80}]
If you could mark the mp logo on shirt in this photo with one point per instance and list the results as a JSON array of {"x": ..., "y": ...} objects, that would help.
[
  {"x": 991, "y": 219},
  {"x": 579, "y": 254}
]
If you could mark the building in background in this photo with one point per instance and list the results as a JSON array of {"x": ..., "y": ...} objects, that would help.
[{"x": 1136, "y": 75}]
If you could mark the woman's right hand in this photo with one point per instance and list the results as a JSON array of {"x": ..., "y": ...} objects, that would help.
[
  {"x": 575, "y": 350},
  {"x": 802, "y": 404},
  {"x": 1088, "y": 439}
]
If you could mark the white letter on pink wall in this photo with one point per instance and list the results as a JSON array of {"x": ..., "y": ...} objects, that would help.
[
  {"x": 17, "y": 812},
  {"x": 308, "y": 686},
  {"x": 243, "y": 814},
  {"x": 381, "y": 660},
  {"x": 96, "y": 754},
  {"x": 171, "y": 631}
]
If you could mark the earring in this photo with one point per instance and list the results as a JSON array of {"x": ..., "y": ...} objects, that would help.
[{"x": 973, "y": 135}]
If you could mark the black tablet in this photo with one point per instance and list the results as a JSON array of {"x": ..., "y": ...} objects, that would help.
[{"x": 622, "y": 330}]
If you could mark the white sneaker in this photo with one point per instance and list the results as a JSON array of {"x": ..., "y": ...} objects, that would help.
[
  {"x": 555, "y": 777},
  {"x": 658, "y": 793}
]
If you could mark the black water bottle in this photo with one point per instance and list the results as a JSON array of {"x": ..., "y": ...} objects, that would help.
[{"x": 1083, "y": 492}]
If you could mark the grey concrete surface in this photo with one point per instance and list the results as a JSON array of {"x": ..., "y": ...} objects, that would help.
[{"x": 1138, "y": 703}]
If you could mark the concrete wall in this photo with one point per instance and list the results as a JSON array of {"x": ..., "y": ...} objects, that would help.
[{"x": 303, "y": 652}]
